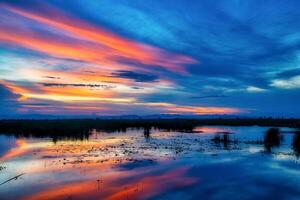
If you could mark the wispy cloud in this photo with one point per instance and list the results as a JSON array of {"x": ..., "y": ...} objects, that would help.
[
  {"x": 291, "y": 83},
  {"x": 138, "y": 77},
  {"x": 78, "y": 85},
  {"x": 209, "y": 97},
  {"x": 104, "y": 49},
  {"x": 253, "y": 89},
  {"x": 126, "y": 57}
]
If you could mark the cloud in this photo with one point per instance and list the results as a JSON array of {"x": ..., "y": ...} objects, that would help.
[
  {"x": 137, "y": 88},
  {"x": 78, "y": 85},
  {"x": 63, "y": 92},
  {"x": 6, "y": 94},
  {"x": 8, "y": 101},
  {"x": 170, "y": 108},
  {"x": 288, "y": 73},
  {"x": 138, "y": 77},
  {"x": 209, "y": 97},
  {"x": 291, "y": 83},
  {"x": 51, "y": 77},
  {"x": 87, "y": 42},
  {"x": 61, "y": 51},
  {"x": 253, "y": 89}
]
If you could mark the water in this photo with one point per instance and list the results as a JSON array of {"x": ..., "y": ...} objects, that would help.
[{"x": 212, "y": 162}]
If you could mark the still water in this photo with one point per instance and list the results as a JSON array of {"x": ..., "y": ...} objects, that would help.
[{"x": 211, "y": 162}]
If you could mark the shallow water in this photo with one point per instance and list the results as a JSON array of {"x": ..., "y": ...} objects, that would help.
[{"x": 212, "y": 162}]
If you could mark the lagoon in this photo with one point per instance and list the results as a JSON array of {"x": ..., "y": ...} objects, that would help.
[{"x": 209, "y": 162}]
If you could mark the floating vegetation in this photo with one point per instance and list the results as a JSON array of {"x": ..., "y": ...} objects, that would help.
[{"x": 2, "y": 168}]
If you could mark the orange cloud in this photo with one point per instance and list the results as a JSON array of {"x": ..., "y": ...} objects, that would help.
[
  {"x": 64, "y": 94},
  {"x": 106, "y": 47},
  {"x": 68, "y": 95},
  {"x": 202, "y": 110},
  {"x": 179, "y": 109}
]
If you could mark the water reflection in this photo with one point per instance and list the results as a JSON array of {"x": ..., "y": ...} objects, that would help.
[
  {"x": 296, "y": 144},
  {"x": 109, "y": 187},
  {"x": 272, "y": 139},
  {"x": 222, "y": 139},
  {"x": 151, "y": 164},
  {"x": 213, "y": 130},
  {"x": 147, "y": 133}
]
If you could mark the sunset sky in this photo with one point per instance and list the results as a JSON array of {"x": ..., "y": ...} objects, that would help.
[{"x": 137, "y": 57}]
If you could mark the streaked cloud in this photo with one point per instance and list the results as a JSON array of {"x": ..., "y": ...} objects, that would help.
[
  {"x": 138, "y": 77},
  {"x": 255, "y": 89},
  {"x": 77, "y": 85},
  {"x": 129, "y": 57},
  {"x": 291, "y": 83},
  {"x": 104, "y": 49}
]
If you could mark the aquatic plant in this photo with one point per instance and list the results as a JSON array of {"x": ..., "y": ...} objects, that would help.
[
  {"x": 223, "y": 139},
  {"x": 147, "y": 133},
  {"x": 272, "y": 139},
  {"x": 80, "y": 129},
  {"x": 296, "y": 144}
]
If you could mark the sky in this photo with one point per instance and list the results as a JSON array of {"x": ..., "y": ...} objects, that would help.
[{"x": 99, "y": 58}]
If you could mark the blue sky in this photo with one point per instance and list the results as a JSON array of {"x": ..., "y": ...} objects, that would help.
[{"x": 150, "y": 57}]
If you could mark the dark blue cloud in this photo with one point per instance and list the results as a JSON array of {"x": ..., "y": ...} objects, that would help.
[
  {"x": 8, "y": 102},
  {"x": 138, "y": 77},
  {"x": 236, "y": 39},
  {"x": 289, "y": 73},
  {"x": 7, "y": 95},
  {"x": 238, "y": 43}
]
